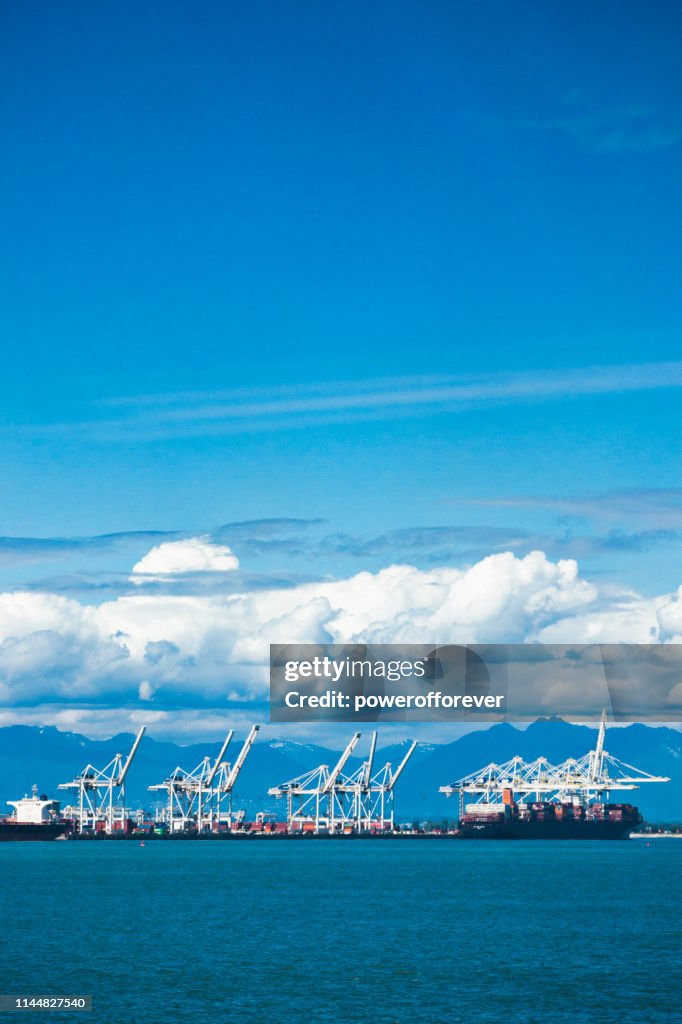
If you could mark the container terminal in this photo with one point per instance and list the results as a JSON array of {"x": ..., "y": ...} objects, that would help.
[{"x": 514, "y": 800}]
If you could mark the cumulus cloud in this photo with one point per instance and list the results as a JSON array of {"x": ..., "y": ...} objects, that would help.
[
  {"x": 196, "y": 650},
  {"x": 196, "y": 554},
  {"x": 145, "y": 690},
  {"x": 670, "y": 617}
]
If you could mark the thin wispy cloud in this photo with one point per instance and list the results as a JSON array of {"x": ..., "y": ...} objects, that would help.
[
  {"x": 432, "y": 546},
  {"x": 195, "y": 414},
  {"x": 30, "y": 549},
  {"x": 600, "y": 127},
  {"x": 253, "y": 529},
  {"x": 656, "y": 506},
  {"x": 628, "y": 129}
]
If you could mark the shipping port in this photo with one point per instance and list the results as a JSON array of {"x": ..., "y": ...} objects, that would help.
[{"x": 514, "y": 800}]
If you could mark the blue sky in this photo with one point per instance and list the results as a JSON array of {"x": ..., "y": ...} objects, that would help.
[{"x": 386, "y": 283}]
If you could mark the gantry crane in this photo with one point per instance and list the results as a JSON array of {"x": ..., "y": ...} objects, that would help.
[
  {"x": 202, "y": 798},
  {"x": 313, "y": 799},
  {"x": 581, "y": 781},
  {"x": 329, "y": 801},
  {"x": 101, "y": 792}
]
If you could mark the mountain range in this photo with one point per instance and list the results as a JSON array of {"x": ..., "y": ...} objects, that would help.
[{"x": 45, "y": 756}]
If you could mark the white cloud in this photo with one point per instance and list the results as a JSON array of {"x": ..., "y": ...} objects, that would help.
[
  {"x": 176, "y": 649},
  {"x": 629, "y": 619},
  {"x": 670, "y": 617},
  {"x": 196, "y": 554},
  {"x": 145, "y": 690}
]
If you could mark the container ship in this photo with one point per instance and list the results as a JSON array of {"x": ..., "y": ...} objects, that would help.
[
  {"x": 540, "y": 800},
  {"x": 35, "y": 819},
  {"x": 548, "y": 820}
]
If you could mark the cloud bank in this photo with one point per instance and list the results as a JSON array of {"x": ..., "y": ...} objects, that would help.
[{"x": 157, "y": 650}]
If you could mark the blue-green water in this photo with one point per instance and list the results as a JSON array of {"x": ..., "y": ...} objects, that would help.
[{"x": 407, "y": 931}]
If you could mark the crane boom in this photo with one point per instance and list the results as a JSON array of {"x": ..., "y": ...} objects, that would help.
[
  {"x": 220, "y": 757},
  {"x": 131, "y": 755},
  {"x": 398, "y": 772},
  {"x": 367, "y": 775},
  {"x": 338, "y": 768},
  {"x": 237, "y": 767},
  {"x": 598, "y": 752}
]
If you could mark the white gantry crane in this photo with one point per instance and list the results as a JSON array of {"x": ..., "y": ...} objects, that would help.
[
  {"x": 582, "y": 781},
  {"x": 330, "y": 801},
  {"x": 202, "y": 798},
  {"x": 101, "y": 792},
  {"x": 313, "y": 799}
]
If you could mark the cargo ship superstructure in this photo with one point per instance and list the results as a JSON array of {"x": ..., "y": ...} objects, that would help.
[
  {"x": 540, "y": 800},
  {"x": 35, "y": 819}
]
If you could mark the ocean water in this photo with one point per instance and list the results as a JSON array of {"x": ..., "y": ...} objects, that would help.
[{"x": 407, "y": 931}]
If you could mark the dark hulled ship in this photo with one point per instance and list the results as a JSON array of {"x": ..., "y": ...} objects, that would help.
[
  {"x": 35, "y": 819},
  {"x": 548, "y": 820}
]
